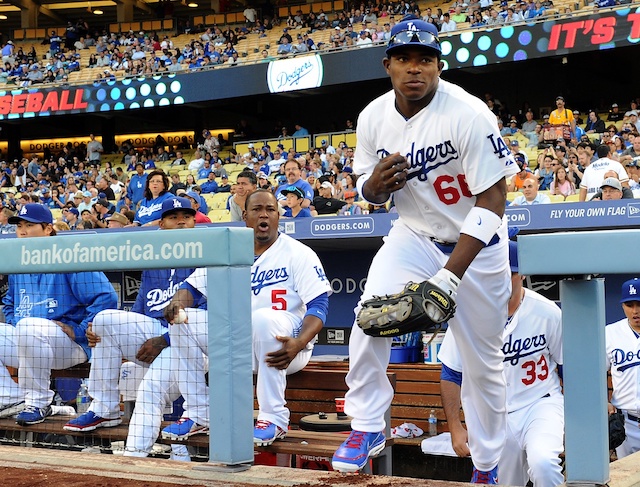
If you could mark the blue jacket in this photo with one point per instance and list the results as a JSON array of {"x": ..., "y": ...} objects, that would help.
[
  {"x": 73, "y": 299},
  {"x": 209, "y": 187},
  {"x": 135, "y": 190}
]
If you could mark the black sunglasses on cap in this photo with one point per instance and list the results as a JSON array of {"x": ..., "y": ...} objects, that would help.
[{"x": 426, "y": 39}]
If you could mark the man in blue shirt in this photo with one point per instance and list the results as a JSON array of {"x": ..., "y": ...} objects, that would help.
[
  {"x": 137, "y": 183},
  {"x": 210, "y": 185},
  {"x": 293, "y": 174},
  {"x": 300, "y": 131}
]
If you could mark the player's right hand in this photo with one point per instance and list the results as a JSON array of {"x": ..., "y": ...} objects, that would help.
[
  {"x": 389, "y": 175},
  {"x": 171, "y": 311},
  {"x": 459, "y": 442},
  {"x": 92, "y": 338}
]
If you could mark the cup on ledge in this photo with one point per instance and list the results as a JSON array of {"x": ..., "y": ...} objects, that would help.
[{"x": 340, "y": 408}]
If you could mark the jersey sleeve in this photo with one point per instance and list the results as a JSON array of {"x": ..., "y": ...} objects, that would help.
[
  {"x": 486, "y": 159},
  {"x": 309, "y": 276},
  {"x": 449, "y": 353},
  {"x": 554, "y": 342},
  {"x": 365, "y": 157},
  {"x": 197, "y": 280},
  {"x": 622, "y": 173}
]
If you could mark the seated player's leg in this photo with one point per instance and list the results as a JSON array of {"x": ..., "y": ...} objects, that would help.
[
  {"x": 402, "y": 258},
  {"x": 544, "y": 440},
  {"x": 632, "y": 443},
  {"x": 273, "y": 416},
  {"x": 42, "y": 346},
  {"x": 121, "y": 335},
  {"x": 157, "y": 389},
  {"x": 189, "y": 341},
  {"x": 11, "y": 395}
]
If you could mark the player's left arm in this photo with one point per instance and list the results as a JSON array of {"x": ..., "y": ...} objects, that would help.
[
  {"x": 94, "y": 290},
  {"x": 479, "y": 227}
]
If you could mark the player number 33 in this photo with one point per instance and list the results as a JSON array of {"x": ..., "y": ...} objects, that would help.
[
  {"x": 535, "y": 370},
  {"x": 449, "y": 189}
]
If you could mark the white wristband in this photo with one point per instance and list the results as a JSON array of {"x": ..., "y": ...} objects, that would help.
[
  {"x": 447, "y": 281},
  {"x": 482, "y": 224}
]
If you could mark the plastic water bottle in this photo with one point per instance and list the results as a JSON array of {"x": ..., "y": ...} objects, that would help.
[
  {"x": 433, "y": 423},
  {"x": 83, "y": 400}
]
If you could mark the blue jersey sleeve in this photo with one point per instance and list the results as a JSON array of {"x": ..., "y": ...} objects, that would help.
[
  {"x": 451, "y": 375},
  {"x": 319, "y": 306},
  {"x": 96, "y": 292}
]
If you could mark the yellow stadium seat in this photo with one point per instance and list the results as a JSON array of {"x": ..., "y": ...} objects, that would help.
[
  {"x": 511, "y": 195},
  {"x": 217, "y": 216},
  {"x": 217, "y": 201},
  {"x": 572, "y": 198},
  {"x": 556, "y": 198},
  {"x": 56, "y": 213}
]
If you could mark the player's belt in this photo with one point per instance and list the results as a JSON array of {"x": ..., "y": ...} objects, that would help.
[
  {"x": 632, "y": 417},
  {"x": 447, "y": 247}
]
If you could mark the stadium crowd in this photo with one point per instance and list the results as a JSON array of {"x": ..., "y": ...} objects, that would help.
[
  {"x": 554, "y": 156},
  {"x": 148, "y": 53}
]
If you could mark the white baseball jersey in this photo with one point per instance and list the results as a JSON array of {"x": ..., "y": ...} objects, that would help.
[
  {"x": 623, "y": 352},
  {"x": 437, "y": 197},
  {"x": 594, "y": 174},
  {"x": 284, "y": 278},
  {"x": 532, "y": 351}
]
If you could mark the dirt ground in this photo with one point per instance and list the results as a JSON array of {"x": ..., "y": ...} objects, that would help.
[{"x": 39, "y": 477}]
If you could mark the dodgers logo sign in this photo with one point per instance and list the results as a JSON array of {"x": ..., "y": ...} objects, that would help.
[{"x": 297, "y": 73}]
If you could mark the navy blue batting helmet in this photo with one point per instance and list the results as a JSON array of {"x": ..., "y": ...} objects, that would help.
[{"x": 414, "y": 32}]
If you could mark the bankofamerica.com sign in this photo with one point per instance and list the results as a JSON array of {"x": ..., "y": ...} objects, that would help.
[{"x": 297, "y": 73}]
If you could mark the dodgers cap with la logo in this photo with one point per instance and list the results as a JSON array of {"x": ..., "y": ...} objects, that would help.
[
  {"x": 33, "y": 213},
  {"x": 631, "y": 290},
  {"x": 414, "y": 32},
  {"x": 176, "y": 204}
]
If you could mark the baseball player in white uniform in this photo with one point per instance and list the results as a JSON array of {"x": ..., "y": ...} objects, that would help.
[
  {"x": 438, "y": 150},
  {"x": 623, "y": 351},
  {"x": 532, "y": 367},
  {"x": 594, "y": 173},
  {"x": 140, "y": 336},
  {"x": 289, "y": 305}
]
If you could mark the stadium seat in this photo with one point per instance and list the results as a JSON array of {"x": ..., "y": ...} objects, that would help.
[
  {"x": 217, "y": 216},
  {"x": 216, "y": 201},
  {"x": 556, "y": 198},
  {"x": 572, "y": 197},
  {"x": 56, "y": 213},
  {"x": 511, "y": 195}
]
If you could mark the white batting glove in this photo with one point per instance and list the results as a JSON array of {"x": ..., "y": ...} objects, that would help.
[{"x": 448, "y": 282}]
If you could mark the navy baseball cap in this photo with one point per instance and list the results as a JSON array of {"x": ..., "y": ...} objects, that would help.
[
  {"x": 630, "y": 289},
  {"x": 34, "y": 213},
  {"x": 293, "y": 190},
  {"x": 521, "y": 161},
  {"x": 414, "y": 32},
  {"x": 177, "y": 204}
]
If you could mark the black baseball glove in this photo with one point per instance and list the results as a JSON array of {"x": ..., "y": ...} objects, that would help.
[
  {"x": 616, "y": 430},
  {"x": 419, "y": 307}
]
